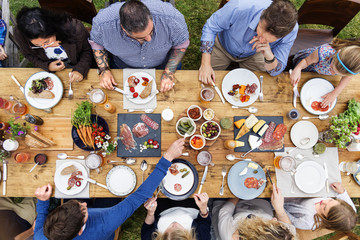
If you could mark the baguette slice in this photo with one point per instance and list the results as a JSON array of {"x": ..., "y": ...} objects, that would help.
[
  {"x": 46, "y": 94},
  {"x": 68, "y": 170},
  {"x": 42, "y": 138},
  {"x": 147, "y": 90},
  {"x": 33, "y": 142}
]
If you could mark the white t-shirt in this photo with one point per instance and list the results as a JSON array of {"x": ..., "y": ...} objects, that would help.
[
  {"x": 56, "y": 53},
  {"x": 181, "y": 215}
]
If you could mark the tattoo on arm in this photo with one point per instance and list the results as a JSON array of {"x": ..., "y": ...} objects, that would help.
[
  {"x": 101, "y": 58},
  {"x": 175, "y": 58}
]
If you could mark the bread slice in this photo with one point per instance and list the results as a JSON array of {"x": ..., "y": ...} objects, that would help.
[
  {"x": 147, "y": 90},
  {"x": 33, "y": 142},
  {"x": 68, "y": 170},
  {"x": 42, "y": 138},
  {"x": 243, "y": 130},
  {"x": 46, "y": 94}
]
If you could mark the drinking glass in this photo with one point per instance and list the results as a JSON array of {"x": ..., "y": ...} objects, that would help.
[
  {"x": 285, "y": 163},
  {"x": 206, "y": 94},
  {"x": 19, "y": 108},
  {"x": 21, "y": 157},
  {"x": 349, "y": 167},
  {"x": 204, "y": 158},
  {"x": 98, "y": 96},
  {"x": 94, "y": 161}
]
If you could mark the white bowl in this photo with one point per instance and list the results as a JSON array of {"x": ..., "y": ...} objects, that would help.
[
  {"x": 213, "y": 138},
  {"x": 212, "y": 112},
  {"x": 185, "y": 119},
  {"x": 192, "y": 107},
  {"x": 203, "y": 139}
]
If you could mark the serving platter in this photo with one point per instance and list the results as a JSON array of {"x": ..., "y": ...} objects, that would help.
[
  {"x": 139, "y": 88},
  {"x": 121, "y": 180},
  {"x": 61, "y": 181},
  {"x": 310, "y": 177},
  {"x": 358, "y": 171}
]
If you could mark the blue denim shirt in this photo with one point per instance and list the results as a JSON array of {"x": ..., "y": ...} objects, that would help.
[
  {"x": 170, "y": 30},
  {"x": 235, "y": 23},
  {"x": 2, "y": 32}
]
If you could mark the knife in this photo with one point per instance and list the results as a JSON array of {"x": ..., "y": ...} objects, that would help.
[
  {"x": 92, "y": 181},
  {"x": 218, "y": 92},
  {"x": 296, "y": 92},
  {"x": 257, "y": 144},
  {"x": 152, "y": 94},
  {"x": 4, "y": 176},
  {"x": 203, "y": 179},
  {"x": 269, "y": 176},
  {"x": 327, "y": 177},
  {"x": 17, "y": 82}
]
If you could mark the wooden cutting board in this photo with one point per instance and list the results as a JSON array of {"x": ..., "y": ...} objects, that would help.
[{"x": 59, "y": 131}]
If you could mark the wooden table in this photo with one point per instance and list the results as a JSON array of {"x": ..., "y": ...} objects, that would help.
[{"x": 277, "y": 101}]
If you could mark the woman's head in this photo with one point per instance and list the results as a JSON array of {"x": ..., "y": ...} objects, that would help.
[
  {"x": 175, "y": 234},
  {"x": 346, "y": 62},
  {"x": 334, "y": 215},
  {"x": 261, "y": 229}
]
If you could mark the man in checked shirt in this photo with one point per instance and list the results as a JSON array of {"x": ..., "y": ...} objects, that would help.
[{"x": 139, "y": 34}]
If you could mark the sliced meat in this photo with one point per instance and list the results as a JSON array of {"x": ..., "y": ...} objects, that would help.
[
  {"x": 131, "y": 81},
  {"x": 177, "y": 187},
  {"x": 250, "y": 89},
  {"x": 140, "y": 130},
  {"x": 251, "y": 182},
  {"x": 151, "y": 123},
  {"x": 126, "y": 137},
  {"x": 279, "y": 131},
  {"x": 315, "y": 106},
  {"x": 269, "y": 132},
  {"x": 173, "y": 169},
  {"x": 260, "y": 183},
  {"x": 49, "y": 83},
  {"x": 272, "y": 145}
]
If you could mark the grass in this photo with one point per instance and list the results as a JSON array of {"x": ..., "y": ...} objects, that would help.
[{"x": 196, "y": 13}]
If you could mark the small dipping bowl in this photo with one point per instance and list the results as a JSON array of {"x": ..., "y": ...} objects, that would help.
[
  {"x": 185, "y": 119},
  {"x": 40, "y": 159},
  {"x": 193, "y": 108},
  {"x": 167, "y": 114},
  {"x": 208, "y": 114},
  {"x": 197, "y": 138},
  {"x": 202, "y": 131}
]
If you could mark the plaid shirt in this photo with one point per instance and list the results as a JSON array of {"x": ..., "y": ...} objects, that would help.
[{"x": 2, "y": 32}]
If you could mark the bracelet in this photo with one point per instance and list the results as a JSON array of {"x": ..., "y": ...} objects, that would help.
[
  {"x": 269, "y": 61},
  {"x": 206, "y": 214}
]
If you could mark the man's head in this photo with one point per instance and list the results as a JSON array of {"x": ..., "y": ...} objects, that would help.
[
  {"x": 136, "y": 20},
  {"x": 67, "y": 221},
  {"x": 277, "y": 20}
]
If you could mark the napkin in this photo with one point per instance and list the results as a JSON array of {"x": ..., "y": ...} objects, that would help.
[
  {"x": 130, "y": 106},
  {"x": 83, "y": 194},
  {"x": 284, "y": 179}
]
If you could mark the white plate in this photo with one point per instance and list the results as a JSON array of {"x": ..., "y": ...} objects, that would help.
[
  {"x": 139, "y": 88},
  {"x": 312, "y": 91},
  {"x": 61, "y": 181},
  {"x": 240, "y": 76},
  {"x": 186, "y": 182},
  {"x": 310, "y": 177},
  {"x": 121, "y": 180},
  {"x": 41, "y": 103},
  {"x": 304, "y": 129}
]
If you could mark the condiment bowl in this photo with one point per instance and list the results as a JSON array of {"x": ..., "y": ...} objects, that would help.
[
  {"x": 206, "y": 124},
  {"x": 208, "y": 114},
  {"x": 197, "y": 137},
  {"x": 185, "y": 119},
  {"x": 194, "y": 107}
]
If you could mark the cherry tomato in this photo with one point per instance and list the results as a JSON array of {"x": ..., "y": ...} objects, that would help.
[
  {"x": 95, "y": 125},
  {"x": 132, "y": 89},
  {"x": 102, "y": 134},
  {"x": 135, "y": 94},
  {"x": 145, "y": 79},
  {"x": 155, "y": 142},
  {"x": 156, "y": 146},
  {"x": 96, "y": 141},
  {"x": 94, "y": 134},
  {"x": 150, "y": 141},
  {"x": 100, "y": 128}
]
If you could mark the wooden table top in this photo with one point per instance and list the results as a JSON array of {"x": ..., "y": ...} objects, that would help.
[{"x": 277, "y": 102}]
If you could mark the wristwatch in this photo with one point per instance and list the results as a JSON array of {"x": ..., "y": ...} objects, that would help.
[
  {"x": 205, "y": 215},
  {"x": 269, "y": 61},
  {"x": 100, "y": 70}
]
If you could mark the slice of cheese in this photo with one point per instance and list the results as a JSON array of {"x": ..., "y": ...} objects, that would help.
[
  {"x": 243, "y": 130},
  {"x": 239, "y": 123},
  {"x": 358, "y": 177},
  {"x": 239, "y": 144},
  {"x": 243, "y": 172},
  {"x": 263, "y": 130},
  {"x": 253, "y": 165},
  {"x": 251, "y": 121},
  {"x": 252, "y": 141},
  {"x": 258, "y": 125}
]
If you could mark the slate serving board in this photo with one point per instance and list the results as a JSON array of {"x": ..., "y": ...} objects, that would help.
[
  {"x": 131, "y": 120},
  {"x": 267, "y": 119}
]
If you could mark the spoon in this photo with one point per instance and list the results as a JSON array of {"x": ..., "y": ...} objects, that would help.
[
  {"x": 64, "y": 156},
  {"x": 143, "y": 167},
  {"x": 250, "y": 109},
  {"x": 321, "y": 117},
  {"x": 299, "y": 156},
  {"x": 129, "y": 161},
  {"x": 231, "y": 157},
  {"x": 303, "y": 141}
]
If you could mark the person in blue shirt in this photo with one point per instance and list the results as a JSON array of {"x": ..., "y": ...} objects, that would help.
[
  {"x": 256, "y": 34},
  {"x": 3, "y": 55},
  {"x": 73, "y": 220}
]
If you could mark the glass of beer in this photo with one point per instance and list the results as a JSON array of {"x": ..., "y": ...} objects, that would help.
[
  {"x": 285, "y": 163},
  {"x": 98, "y": 96},
  {"x": 19, "y": 108},
  {"x": 349, "y": 167},
  {"x": 94, "y": 161},
  {"x": 206, "y": 94},
  {"x": 21, "y": 157}
]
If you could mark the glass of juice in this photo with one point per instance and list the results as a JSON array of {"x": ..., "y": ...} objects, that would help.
[
  {"x": 21, "y": 157},
  {"x": 19, "y": 108},
  {"x": 2, "y": 103}
]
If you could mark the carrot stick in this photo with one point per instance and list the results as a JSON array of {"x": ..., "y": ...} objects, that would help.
[
  {"x": 80, "y": 135},
  {"x": 85, "y": 136},
  {"x": 90, "y": 136}
]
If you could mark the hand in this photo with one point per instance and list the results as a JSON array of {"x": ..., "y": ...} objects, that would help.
[
  {"x": 2, "y": 53},
  {"x": 337, "y": 187},
  {"x": 107, "y": 80},
  {"x": 175, "y": 149},
  {"x": 201, "y": 201},
  {"x": 56, "y": 66},
  {"x": 44, "y": 193},
  {"x": 264, "y": 48},
  {"x": 206, "y": 74},
  {"x": 150, "y": 205},
  {"x": 329, "y": 98},
  {"x": 295, "y": 76},
  {"x": 277, "y": 199},
  {"x": 167, "y": 81},
  {"x": 75, "y": 76}
]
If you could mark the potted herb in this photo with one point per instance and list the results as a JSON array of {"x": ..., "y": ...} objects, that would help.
[
  {"x": 17, "y": 129},
  {"x": 4, "y": 154}
]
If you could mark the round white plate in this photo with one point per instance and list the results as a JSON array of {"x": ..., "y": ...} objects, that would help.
[
  {"x": 41, "y": 103},
  {"x": 310, "y": 177},
  {"x": 240, "y": 76},
  {"x": 186, "y": 182},
  {"x": 61, "y": 181},
  {"x": 312, "y": 91},
  {"x": 304, "y": 129},
  {"x": 139, "y": 88},
  {"x": 121, "y": 180}
]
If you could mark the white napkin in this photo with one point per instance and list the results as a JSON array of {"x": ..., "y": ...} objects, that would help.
[
  {"x": 284, "y": 179},
  {"x": 84, "y": 193},
  {"x": 130, "y": 106}
]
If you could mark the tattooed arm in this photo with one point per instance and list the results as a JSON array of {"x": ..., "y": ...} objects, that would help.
[
  {"x": 168, "y": 76},
  {"x": 106, "y": 78}
]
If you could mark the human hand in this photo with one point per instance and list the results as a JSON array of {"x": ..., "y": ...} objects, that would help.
[
  {"x": 206, "y": 74},
  {"x": 295, "y": 76},
  {"x": 329, "y": 98},
  {"x": 56, "y": 66},
  {"x": 337, "y": 187},
  {"x": 167, "y": 81},
  {"x": 2, "y": 53},
  {"x": 201, "y": 201},
  {"x": 175, "y": 149},
  {"x": 150, "y": 205},
  {"x": 44, "y": 193},
  {"x": 75, "y": 76},
  {"x": 107, "y": 80},
  {"x": 277, "y": 199},
  {"x": 263, "y": 47}
]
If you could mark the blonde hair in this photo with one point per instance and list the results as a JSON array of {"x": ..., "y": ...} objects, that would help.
[
  {"x": 349, "y": 53},
  {"x": 178, "y": 234},
  {"x": 257, "y": 228},
  {"x": 341, "y": 217}
]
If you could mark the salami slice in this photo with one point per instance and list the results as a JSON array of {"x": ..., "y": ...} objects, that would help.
[
  {"x": 269, "y": 132},
  {"x": 177, "y": 187},
  {"x": 251, "y": 182},
  {"x": 151, "y": 123},
  {"x": 260, "y": 183},
  {"x": 315, "y": 105},
  {"x": 71, "y": 181},
  {"x": 279, "y": 131},
  {"x": 324, "y": 109}
]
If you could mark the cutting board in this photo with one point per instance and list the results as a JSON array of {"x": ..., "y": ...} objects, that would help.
[
  {"x": 267, "y": 119},
  {"x": 131, "y": 120},
  {"x": 59, "y": 131}
]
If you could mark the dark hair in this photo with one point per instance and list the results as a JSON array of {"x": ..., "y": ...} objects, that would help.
[
  {"x": 41, "y": 23},
  {"x": 280, "y": 18},
  {"x": 65, "y": 221},
  {"x": 134, "y": 16}
]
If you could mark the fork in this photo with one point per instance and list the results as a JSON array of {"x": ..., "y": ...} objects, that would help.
[
  {"x": 261, "y": 95},
  {"x": 223, "y": 174},
  {"x": 71, "y": 92}
]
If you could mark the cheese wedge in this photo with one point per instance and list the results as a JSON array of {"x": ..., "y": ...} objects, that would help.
[
  {"x": 263, "y": 130},
  {"x": 243, "y": 130},
  {"x": 258, "y": 125},
  {"x": 239, "y": 144},
  {"x": 252, "y": 141},
  {"x": 253, "y": 165},
  {"x": 239, "y": 123},
  {"x": 251, "y": 121},
  {"x": 243, "y": 172}
]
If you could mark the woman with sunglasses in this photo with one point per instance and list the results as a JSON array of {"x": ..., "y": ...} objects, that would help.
[{"x": 54, "y": 41}]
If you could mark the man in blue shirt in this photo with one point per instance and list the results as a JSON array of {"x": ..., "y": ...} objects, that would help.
[
  {"x": 257, "y": 34},
  {"x": 3, "y": 55},
  {"x": 147, "y": 34}
]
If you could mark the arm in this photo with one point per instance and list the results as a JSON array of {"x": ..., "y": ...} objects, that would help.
[
  {"x": 148, "y": 226},
  {"x": 2, "y": 39},
  {"x": 107, "y": 80},
  {"x": 43, "y": 195},
  {"x": 202, "y": 227},
  {"x": 330, "y": 97},
  {"x": 277, "y": 200},
  {"x": 225, "y": 223},
  {"x": 311, "y": 59},
  {"x": 342, "y": 194},
  {"x": 26, "y": 234}
]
